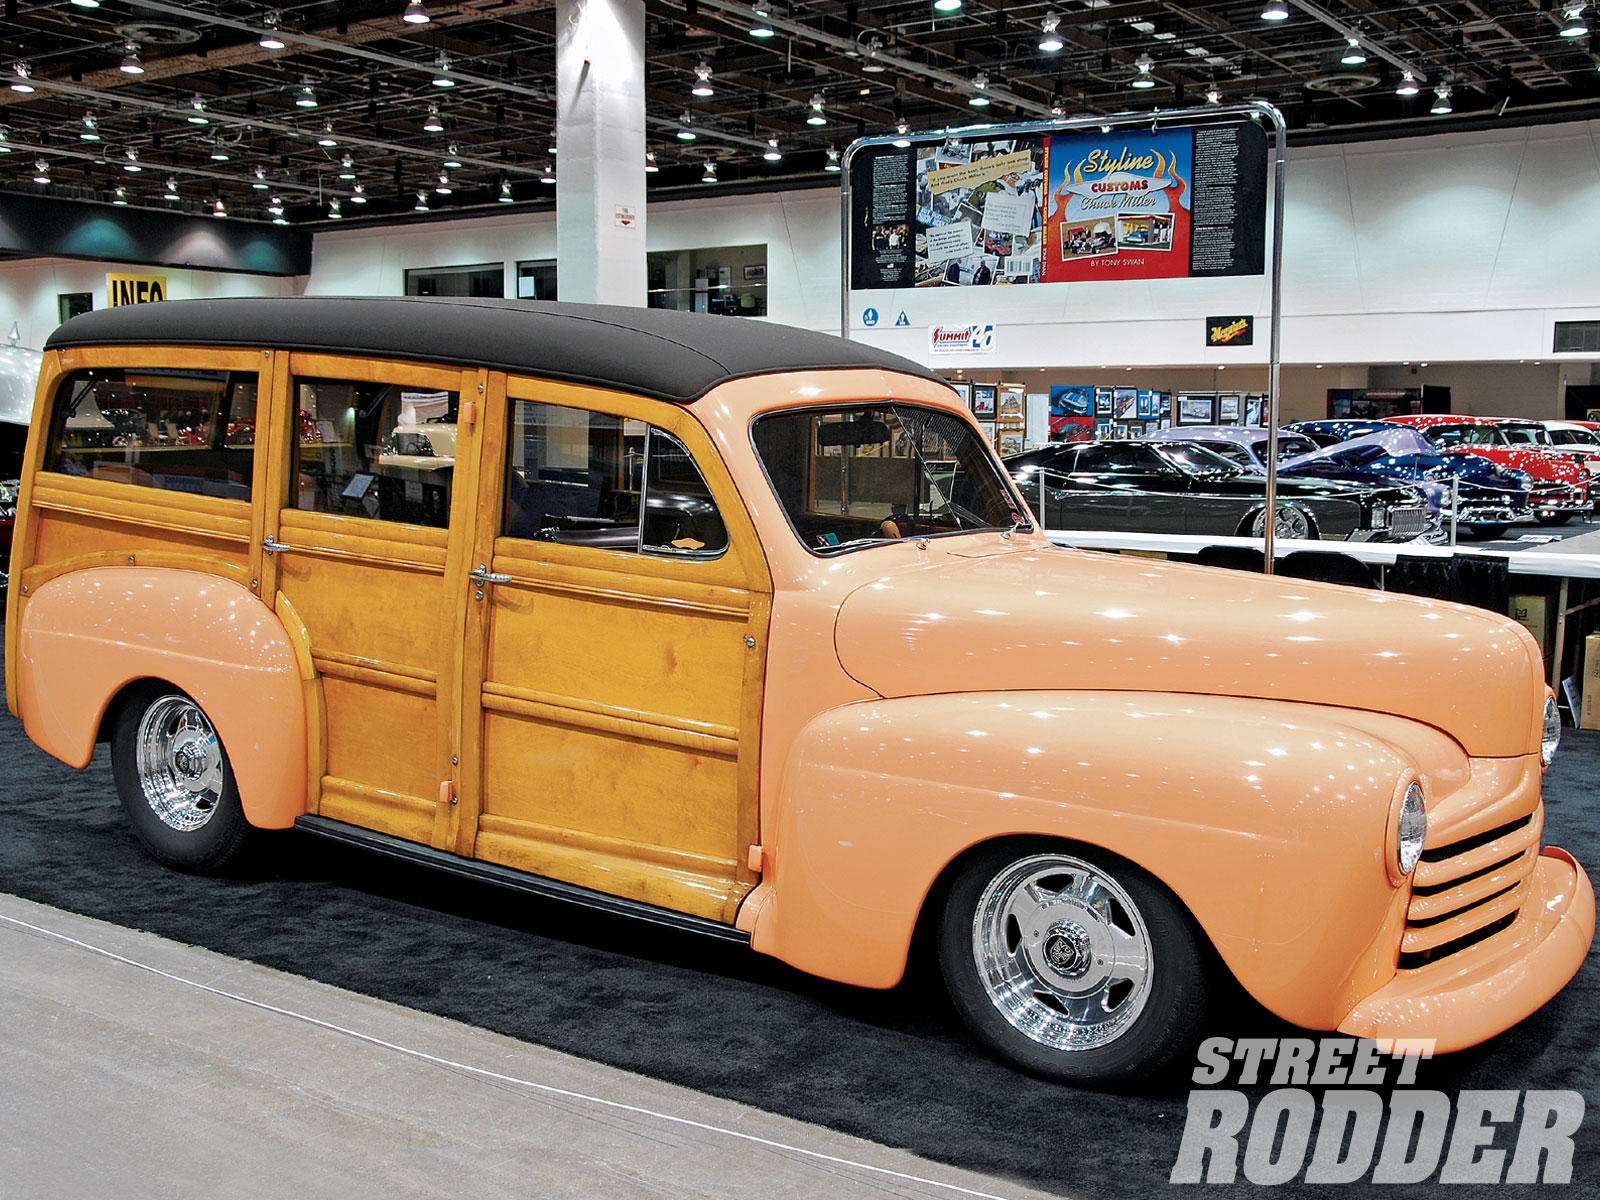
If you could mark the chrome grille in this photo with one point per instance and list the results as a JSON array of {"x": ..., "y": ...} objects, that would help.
[
  {"x": 1408, "y": 522},
  {"x": 1468, "y": 891}
]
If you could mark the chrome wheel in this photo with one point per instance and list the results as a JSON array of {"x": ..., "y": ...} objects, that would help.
[
  {"x": 179, "y": 762},
  {"x": 1062, "y": 952},
  {"x": 1287, "y": 522}
]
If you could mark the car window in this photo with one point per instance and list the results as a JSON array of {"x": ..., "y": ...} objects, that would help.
[
  {"x": 383, "y": 451},
  {"x": 1293, "y": 447},
  {"x": 1237, "y": 455},
  {"x": 1573, "y": 437},
  {"x": 1526, "y": 435},
  {"x": 174, "y": 430},
  {"x": 596, "y": 479},
  {"x": 1195, "y": 458}
]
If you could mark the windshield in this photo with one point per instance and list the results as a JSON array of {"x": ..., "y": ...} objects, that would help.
[
  {"x": 1448, "y": 436},
  {"x": 1197, "y": 460},
  {"x": 880, "y": 472},
  {"x": 1526, "y": 435},
  {"x": 1574, "y": 437}
]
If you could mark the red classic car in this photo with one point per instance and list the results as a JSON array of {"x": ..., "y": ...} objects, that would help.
[{"x": 1561, "y": 484}]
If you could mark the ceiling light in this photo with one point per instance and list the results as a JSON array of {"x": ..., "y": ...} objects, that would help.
[
  {"x": 816, "y": 116},
  {"x": 1441, "y": 101},
  {"x": 1276, "y": 10},
  {"x": 305, "y": 98},
  {"x": 327, "y": 138},
  {"x": 761, "y": 24},
  {"x": 1213, "y": 96},
  {"x": 259, "y": 183},
  {"x": 1573, "y": 26},
  {"x": 685, "y": 133},
  {"x": 133, "y": 162},
  {"x": 20, "y": 83},
  {"x": 980, "y": 83},
  {"x": 1051, "y": 41},
  {"x": 347, "y": 168},
  {"x": 41, "y": 171},
  {"x": 833, "y": 160},
  {"x": 87, "y": 3},
  {"x": 280, "y": 219},
  {"x": 710, "y": 173},
  {"x": 90, "y": 132},
  {"x": 1058, "y": 106},
  {"x": 1408, "y": 84},
  {"x": 451, "y": 160},
  {"x": 650, "y": 164},
  {"x": 947, "y": 6},
  {"x": 874, "y": 48},
  {"x": 130, "y": 61},
  {"x": 702, "y": 81},
  {"x": 218, "y": 154},
  {"x": 358, "y": 195},
  {"x": 551, "y": 148},
  {"x": 415, "y": 13},
  {"x": 443, "y": 188},
  {"x": 441, "y": 76},
  {"x": 275, "y": 206},
  {"x": 505, "y": 196},
  {"x": 5, "y": 137},
  {"x": 172, "y": 190},
  {"x": 218, "y": 208},
  {"x": 772, "y": 153},
  {"x": 1144, "y": 64},
  {"x": 1354, "y": 55},
  {"x": 198, "y": 116},
  {"x": 548, "y": 175},
  {"x": 269, "y": 39},
  {"x": 422, "y": 202},
  {"x": 119, "y": 197},
  {"x": 432, "y": 123},
  {"x": 333, "y": 210},
  {"x": 902, "y": 141}
]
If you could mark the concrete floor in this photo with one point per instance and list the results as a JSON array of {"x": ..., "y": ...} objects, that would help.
[{"x": 132, "y": 1066}]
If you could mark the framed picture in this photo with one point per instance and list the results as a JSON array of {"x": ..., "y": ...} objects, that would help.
[
  {"x": 1195, "y": 410},
  {"x": 1228, "y": 407},
  {"x": 1104, "y": 402},
  {"x": 987, "y": 429},
  {"x": 1147, "y": 406},
  {"x": 1010, "y": 443},
  {"x": 983, "y": 395},
  {"x": 756, "y": 271},
  {"x": 1013, "y": 401},
  {"x": 1127, "y": 403},
  {"x": 964, "y": 390}
]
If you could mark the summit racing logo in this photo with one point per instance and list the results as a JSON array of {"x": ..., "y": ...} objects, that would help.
[
  {"x": 1367, "y": 1121},
  {"x": 959, "y": 339}
]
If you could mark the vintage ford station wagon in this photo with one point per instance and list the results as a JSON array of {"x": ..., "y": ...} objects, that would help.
[{"x": 745, "y": 629}]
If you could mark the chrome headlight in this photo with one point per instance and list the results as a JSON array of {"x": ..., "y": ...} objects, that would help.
[
  {"x": 1380, "y": 516},
  {"x": 1413, "y": 829},
  {"x": 1552, "y": 730}
]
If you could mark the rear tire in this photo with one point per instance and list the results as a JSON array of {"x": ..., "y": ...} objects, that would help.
[{"x": 176, "y": 782}]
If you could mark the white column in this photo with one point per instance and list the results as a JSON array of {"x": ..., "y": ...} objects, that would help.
[{"x": 600, "y": 256}]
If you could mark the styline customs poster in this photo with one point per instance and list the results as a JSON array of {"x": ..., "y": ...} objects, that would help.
[{"x": 1130, "y": 204}]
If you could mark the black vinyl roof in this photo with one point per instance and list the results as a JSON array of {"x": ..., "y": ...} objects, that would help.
[{"x": 666, "y": 355}]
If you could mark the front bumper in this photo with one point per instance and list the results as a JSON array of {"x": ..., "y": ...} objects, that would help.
[
  {"x": 1470, "y": 996},
  {"x": 1567, "y": 499}
]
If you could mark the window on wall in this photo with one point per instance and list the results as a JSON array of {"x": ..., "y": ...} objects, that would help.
[
  {"x": 536, "y": 279},
  {"x": 731, "y": 280},
  {"x": 175, "y": 430},
  {"x": 479, "y": 279}
]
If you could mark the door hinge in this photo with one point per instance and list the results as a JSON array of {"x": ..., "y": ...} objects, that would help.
[{"x": 447, "y": 792}]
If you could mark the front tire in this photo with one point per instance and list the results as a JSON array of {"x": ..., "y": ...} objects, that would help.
[
  {"x": 176, "y": 782},
  {"x": 1555, "y": 518},
  {"x": 1071, "y": 964},
  {"x": 1289, "y": 521}
]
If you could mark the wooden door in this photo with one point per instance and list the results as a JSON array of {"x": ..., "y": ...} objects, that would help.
[
  {"x": 612, "y": 687},
  {"x": 359, "y": 558}
]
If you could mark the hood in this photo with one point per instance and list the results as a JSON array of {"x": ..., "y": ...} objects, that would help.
[
  {"x": 1540, "y": 466},
  {"x": 1052, "y": 619}
]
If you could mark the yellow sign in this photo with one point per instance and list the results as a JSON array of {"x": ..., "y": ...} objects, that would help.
[
  {"x": 135, "y": 289},
  {"x": 971, "y": 175}
]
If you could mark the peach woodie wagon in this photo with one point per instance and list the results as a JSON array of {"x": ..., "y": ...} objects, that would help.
[{"x": 744, "y": 629}]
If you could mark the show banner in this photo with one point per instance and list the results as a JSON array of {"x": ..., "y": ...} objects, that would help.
[{"x": 1133, "y": 204}]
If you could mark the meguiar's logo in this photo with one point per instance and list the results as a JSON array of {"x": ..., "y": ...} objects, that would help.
[{"x": 1230, "y": 331}]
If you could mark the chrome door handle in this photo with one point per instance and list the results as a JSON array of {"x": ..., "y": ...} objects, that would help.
[
  {"x": 272, "y": 546},
  {"x": 482, "y": 575}
]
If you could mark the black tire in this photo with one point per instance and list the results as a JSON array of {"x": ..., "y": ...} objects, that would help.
[
  {"x": 1485, "y": 533},
  {"x": 176, "y": 782},
  {"x": 1146, "y": 1027},
  {"x": 1558, "y": 518}
]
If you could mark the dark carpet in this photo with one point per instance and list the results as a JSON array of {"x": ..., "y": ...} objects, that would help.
[{"x": 892, "y": 1067}]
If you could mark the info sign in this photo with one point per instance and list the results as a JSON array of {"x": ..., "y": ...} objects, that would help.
[{"x": 1135, "y": 203}]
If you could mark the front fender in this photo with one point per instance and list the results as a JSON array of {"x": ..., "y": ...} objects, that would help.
[
  {"x": 86, "y": 635},
  {"x": 1268, "y": 821}
]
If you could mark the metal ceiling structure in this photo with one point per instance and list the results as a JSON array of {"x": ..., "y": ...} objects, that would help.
[{"x": 352, "y": 103}]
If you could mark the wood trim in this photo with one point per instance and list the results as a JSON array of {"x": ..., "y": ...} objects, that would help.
[
  {"x": 394, "y": 813},
  {"x": 188, "y": 358},
  {"x": 35, "y": 577},
  {"x": 721, "y": 741},
  {"x": 118, "y": 506},
  {"x": 316, "y": 764},
  {"x": 358, "y": 369},
  {"x": 560, "y": 578},
  {"x": 393, "y": 676}
]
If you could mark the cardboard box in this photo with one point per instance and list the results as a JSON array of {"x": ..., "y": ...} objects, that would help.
[
  {"x": 1591, "y": 682},
  {"x": 1537, "y": 613}
]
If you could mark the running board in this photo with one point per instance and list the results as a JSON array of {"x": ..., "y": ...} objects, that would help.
[{"x": 519, "y": 881}]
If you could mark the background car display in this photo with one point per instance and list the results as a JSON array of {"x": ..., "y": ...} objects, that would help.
[
  {"x": 1173, "y": 487},
  {"x": 1243, "y": 445},
  {"x": 1537, "y": 435},
  {"x": 1560, "y": 490}
]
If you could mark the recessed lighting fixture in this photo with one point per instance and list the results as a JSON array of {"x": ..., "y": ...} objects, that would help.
[
  {"x": 709, "y": 175},
  {"x": 816, "y": 116},
  {"x": 119, "y": 197},
  {"x": 91, "y": 131},
  {"x": 761, "y": 21},
  {"x": 172, "y": 190},
  {"x": 1276, "y": 10},
  {"x": 441, "y": 76},
  {"x": 20, "y": 83},
  {"x": 947, "y": 6},
  {"x": 548, "y": 175},
  {"x": 280, "y": 219},
  {"x": 873, "y": 65},
  {"x": 41, "y": 171},
  {"x": 218, "y": 153},
  {"x": 451, "y": 160},
  {"x": 1408, "y": 83},
  {"x": 275, "y": 206},
  {"x": 702, "y": 81},
  {"x": 833, "y": 160},
  {"x": 347, "y": 168},
  {"x": 1051, "y": 41},
  {"x": 1573, "y": 25},
  {"x": 551, "y": 148},
  {"x": 443, "y": 188},
  {"x": 259, "y": 182},
  {"x": 980, "y": 83},
  {"x": 132, "y": 164},
  {"x": 431, "y": 122},
  {"x": 130, "y": 64},
  {"x": 218, "y": 208},
  {"x": 505, "y": 196},
  {"x": 358, "y": 194},
  {"x": 650, "y": 164},
  {"x": 333, "y": 210},
  {"x": 1441, "y": 100},
  {"x": 87, "y": 3},
  {"x": 685, "y": 131},
  {"x": 422, "y": 202},
  {"x": 1213, "y": 96},
  {"x": 1354, "y": 55},
  {"x": 305, "y": 97},
  {"x": 415, "y": 13},
  {"x": 772, "y": 153},
  {"x": 269, "y": 39},
  {"x": 198, "y": 116},
  {"x": 1144, "y": 64},
  {"x": 326, "y": 138},
  {"x": 902, "y": 140}
]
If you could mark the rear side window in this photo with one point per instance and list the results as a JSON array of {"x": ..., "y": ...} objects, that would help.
[
  {"x": 378, "y": 450},
  {"x": 180, "y": 431}
]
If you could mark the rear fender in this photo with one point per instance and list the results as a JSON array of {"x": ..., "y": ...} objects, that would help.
[
  {"x": 1268, "y": 820},
  {"x": 87, "y": 635}
]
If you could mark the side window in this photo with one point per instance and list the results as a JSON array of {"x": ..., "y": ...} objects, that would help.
[
  {"x": 175, "y": 430},
  {"x": 1237, "y": 455},
  {"x": 593, "y": 479},
  {"x": 378, "y": 450}
]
